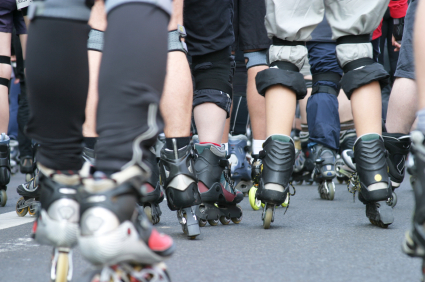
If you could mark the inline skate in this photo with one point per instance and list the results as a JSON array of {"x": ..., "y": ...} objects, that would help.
[
  {"x": 116, "y": 235},
  {"x": 398, "y": 146},
  {"x": 30, "y": 197},
  {"x": 240, "y": 164},
  {"x": 371, "y": 179},
  {"x": 219, "y": 198},
  {"x": 324, "y": 170},
  {"x": 414, "y": 241},
  {"x": 153, "y": 195},
  {"x": 4, "y": 167},
  {"x": 57, "y": 218},
  {"x": 178, "y": 177},
  {"x": 278, "y": 158},
  {"x": 346, "y": 142},
  {"x": 304, "y": 162}
]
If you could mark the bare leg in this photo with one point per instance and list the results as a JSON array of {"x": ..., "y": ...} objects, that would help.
[
  {"x": 280, "y": 110},
  {"x": 5, "y": 72},
  {"x": 344, "y": 108},
  {"x": 367, "y": 109},
  {"x": 256, "y": 105},
  {"x": 210, "y": 120},
  {"x": 97, "y": 21},
  {"x": 419, "y": 43},
  {"x": 402, "y": 106},
  {"x": 225, "y": 138}
]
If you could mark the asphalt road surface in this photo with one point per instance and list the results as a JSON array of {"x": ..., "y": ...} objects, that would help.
[{"x": 316, "y": 240}]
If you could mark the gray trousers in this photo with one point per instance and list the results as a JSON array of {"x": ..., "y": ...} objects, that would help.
[{"x": 294, "y": 20}]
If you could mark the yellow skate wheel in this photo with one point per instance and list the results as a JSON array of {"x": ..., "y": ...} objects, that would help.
[
  {"x": 255, "y": 204},
  {"x": 148, "y": 212},
  {"x": 3, "y": 198},
  {"x": 268, "y": 217},
  {"x": 62, "y": 267},
  {"x": 213, "y": 222},
  {"x": 21, "y": 212},
  {"x": 202, "y": 222}
]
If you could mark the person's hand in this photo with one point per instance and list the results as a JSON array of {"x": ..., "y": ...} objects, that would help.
[{"x": 395, "y": 44}]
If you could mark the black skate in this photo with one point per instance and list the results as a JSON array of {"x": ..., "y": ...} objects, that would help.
[
  {"x": 179, "y": 180},
  {"x": 89, "y": 156},
  {"x": 57, "y": 219},
  {"x": 30, "y": 197},
  {"x": 115, "y": 232},
  {"x": 219, "y": 198},
  {"x": 347, "y": 138},
  {"x": 373, "y": 182},
  {"x": 324, "y": 171},
  {"x": 4, "y": 167},
  {"x": 278, "y": 157},
  {"x": 153, "y": 195},
  {"x": 398, "y": 146},
  {"x": 414, "y": 242}
]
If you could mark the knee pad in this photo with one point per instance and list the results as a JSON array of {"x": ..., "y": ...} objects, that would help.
[
  {"x": 214, "y": 71},
  {"x": 66, "y": 9},
  {"x": 220, "y": 98},
  {"x": 4, "y": 60},
  {"x": 165, "y": 5},
  {"x": 281, "y": 73},
  {"x": 257, "y": 58},
  {"x": 361, "y": 71},
  {"x": 95, "y": 41},
  {"x": 326, "y": 82},
  {"x": 175, "y": 42}
]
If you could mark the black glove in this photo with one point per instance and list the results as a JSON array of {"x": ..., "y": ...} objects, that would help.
[{"x": 398, "y": 29}]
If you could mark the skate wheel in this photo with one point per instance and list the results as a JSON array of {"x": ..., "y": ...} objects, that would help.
[
  {"x": 3, "y": 198},
  {"x": 213, "y": 222},
  {"x": 379, "y": 223},
  {"x": 267, "y": 220},
  {"x": 148, "y": 212},
  {"x": 224, "y": 220},
  {"x": 202, "y": 222},
  {"x": 243, "y": 186},
  {"x": 392, "y": 202},
  {"x": 62, "y": 267},
  {"x": 255, "y": 204},
  {"x": 331, "y": 190},
  {"x": 21, "y": 212}
]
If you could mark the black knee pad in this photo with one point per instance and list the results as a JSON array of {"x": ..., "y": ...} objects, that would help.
[
  {"x": 220, "y": 98},
  {"x": 214, "y": 71},
  {"x": 332, "y": 77},
  {"x": 4, "y": 60},
  {"x": 281, "y": 73},
  {"x": 362, "y": 71}
]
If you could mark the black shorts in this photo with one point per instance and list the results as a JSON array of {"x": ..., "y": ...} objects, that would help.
[
  {"x": 10, "y": 17},
  {"x": 248, "y": 24},
  {"x": 406, "y": 60},
  {"x": 208, "y": 25}
]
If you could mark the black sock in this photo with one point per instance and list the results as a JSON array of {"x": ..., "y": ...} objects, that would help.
[
  {"x": 90, "y": 142},
  {"x": 180, "y": 141}
]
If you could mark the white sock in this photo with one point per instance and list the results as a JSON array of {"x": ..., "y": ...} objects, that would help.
[{"x": 257, "y": 146}]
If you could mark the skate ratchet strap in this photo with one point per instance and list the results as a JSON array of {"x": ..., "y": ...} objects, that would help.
[
  {"x": 95, "y": 41},
  {"x": 357, "y": 64},
  {"x": 353, "y": 39},
  {"x": 280, "y": 42},
  {"x": 283, "y": 65},
  {"x": 175, "y": 42},
  {"x": 72, "y": 10},
  {"x": 257, "y": 58}
]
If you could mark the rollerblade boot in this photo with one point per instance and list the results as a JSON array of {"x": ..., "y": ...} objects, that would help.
[
  {"x": 278, "y": 158},
  {"x": 324, "y": 171},
  {"x": 347, "y": 138},
  {"x": 30, "y": 197},
  {"x": 219, "y": 198},
  {"x": 414, "y": 242},
  {"x": 153, "y": 195},
  {"x": 240, "y": 165},
  {"x": 4, "y": 167},
  {"x": 177, "y": 171},
  {"x": 304, "y": 162},
  {"x": 57, "y": 218},
  {"x": 398, "y": 146},
  {"x": 115, "y": 233},
  {"x": 373, "y": 180}
]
